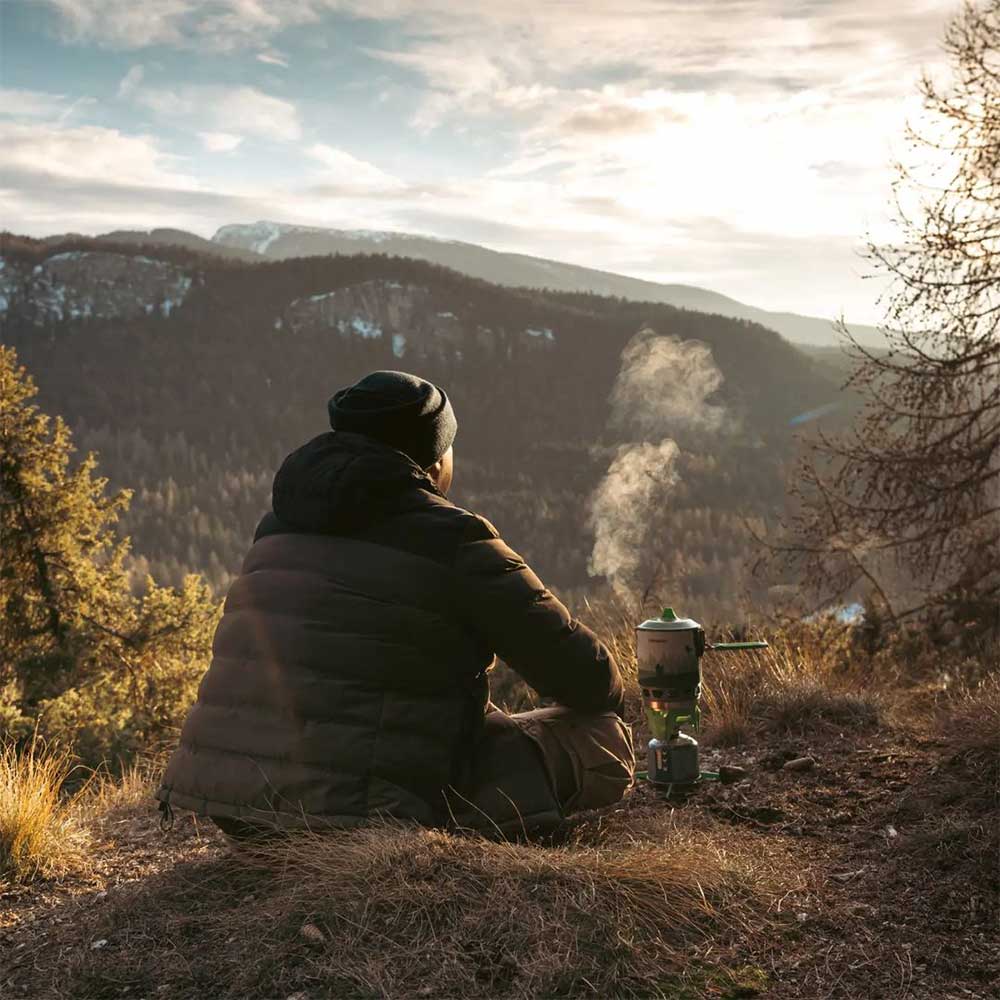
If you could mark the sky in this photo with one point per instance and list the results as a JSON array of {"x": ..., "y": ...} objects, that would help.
[{"x": 739, "y": 145}]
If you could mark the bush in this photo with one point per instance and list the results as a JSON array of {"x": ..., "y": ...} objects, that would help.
[{"x": 117, "y": 711}]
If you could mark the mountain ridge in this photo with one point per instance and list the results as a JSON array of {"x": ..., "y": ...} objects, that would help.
[{"x": 267, "y": 240}]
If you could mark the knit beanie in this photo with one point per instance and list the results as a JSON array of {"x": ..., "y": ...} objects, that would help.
[{"x": 401, "y": 410}]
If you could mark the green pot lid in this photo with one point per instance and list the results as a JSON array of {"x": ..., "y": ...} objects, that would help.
[{"x": 669, "y": 622}]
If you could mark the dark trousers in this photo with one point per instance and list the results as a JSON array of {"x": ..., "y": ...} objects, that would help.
[
  {"x": 532, "y": 770},
  {"x": 529, "y": 772}
]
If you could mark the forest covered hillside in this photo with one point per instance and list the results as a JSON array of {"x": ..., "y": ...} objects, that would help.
[
  {"x": 280, "y": 241},
  {"x": 193, "y": 376}
]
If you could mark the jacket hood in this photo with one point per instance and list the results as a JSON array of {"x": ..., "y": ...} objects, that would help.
[{"x": 340, "y": 482}]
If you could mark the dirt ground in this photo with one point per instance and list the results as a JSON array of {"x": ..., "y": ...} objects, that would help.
[
  {"x": 897, "y": 901},
  {"x": 893, "y": 883}
]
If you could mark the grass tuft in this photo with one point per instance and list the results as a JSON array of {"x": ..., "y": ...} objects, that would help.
[
  {"x": 39, "y": 831},
  {"x": 972, "y": 726},
  {"x": 803, "y": 684},
  {"x": 797, "y": 686},
  {"x": 394, "y": 911},
  {"x": 474, "y": 917},
  {"x": 809, "y": 705}
]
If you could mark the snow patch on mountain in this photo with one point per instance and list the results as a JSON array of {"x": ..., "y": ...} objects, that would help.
[
  {"x": 256, "y": 236},
  {"x": 365, "y": 328},
  {"x": 80, "y": 284},
  {"x": 259, "y": 236},
  {"x": 408, "y": 317},
  {"x": 68, "y": 255}
]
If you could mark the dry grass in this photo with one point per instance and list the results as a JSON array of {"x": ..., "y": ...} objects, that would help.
[
  {"x": 954, "y": 808},
  {"x": 111, "y": 794},
  {"x": 392, "y": 911},
  {"x": 798, "y": 686},
  {"x": 480, "y": 918},
  {"x": 40, "y": 833},
  {"x": 50, "y": 807},
  {"x": 971, "y": 722},
  {"x": 509, "y": 692}
]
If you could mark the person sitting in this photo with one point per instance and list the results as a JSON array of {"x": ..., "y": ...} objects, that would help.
[{"x": 349, "y": 679}]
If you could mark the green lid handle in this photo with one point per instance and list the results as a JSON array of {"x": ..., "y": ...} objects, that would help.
[
  {"x": 738, "y": 645},
  {"x": 668, "y": 615}
]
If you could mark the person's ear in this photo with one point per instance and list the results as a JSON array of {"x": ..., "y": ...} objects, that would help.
[
  {"x": 434, "y": 471},
  {"x": 441, "y": 472}
]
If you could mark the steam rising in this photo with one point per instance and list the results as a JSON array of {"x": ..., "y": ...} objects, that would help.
[
  {"x": 639, "y": 477},
  {"x": 661, "y": 389}
]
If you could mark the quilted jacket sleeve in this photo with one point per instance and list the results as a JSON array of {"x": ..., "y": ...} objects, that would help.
[{"x": 529, "y": 628}]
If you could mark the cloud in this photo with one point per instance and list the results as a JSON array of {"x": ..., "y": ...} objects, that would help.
[
  {"x": 87, "y": 178},
  {"x": 58, "y": 178},
  {"x": 610, "y": 119},
  {"x": 522, "y": 41},
  {"x": 222, "y": 25},
  {"x": 347, "y": 172},
  {"x": 591, "y": 33},
  {"x": 272, "y": 59},
  {"x": 93, "y": 179},
  {"x": 32, "y": 104},
  {"x": 130, "y": 81},
  {"x": 87, "y": 151},
  {"x": 620, "y": 135},
  {"x": 220, "y": 142},
  {"x": 468, "y": 78},
  {"x": 121, "y": 23},
  {"x": 40, "y": 203},
  {"x": 469, "y": 55},
  {"x": 244, "y": 110}
]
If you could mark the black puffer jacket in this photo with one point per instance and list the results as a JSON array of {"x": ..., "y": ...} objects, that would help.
[{"x": 348, "y": 676}]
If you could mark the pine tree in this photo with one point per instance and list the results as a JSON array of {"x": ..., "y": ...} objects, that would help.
[
  {"x": 81, "y": 657},
  {"x": 60, "y": 563}
]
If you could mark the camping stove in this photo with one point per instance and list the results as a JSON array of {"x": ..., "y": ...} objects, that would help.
[{"x": 669, "y": 651}]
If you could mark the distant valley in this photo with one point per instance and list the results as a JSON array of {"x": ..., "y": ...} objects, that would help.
[{"x": 192, "y": 373}]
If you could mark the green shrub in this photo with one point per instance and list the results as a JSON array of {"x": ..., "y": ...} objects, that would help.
[{"x": 81, "y": 657}]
